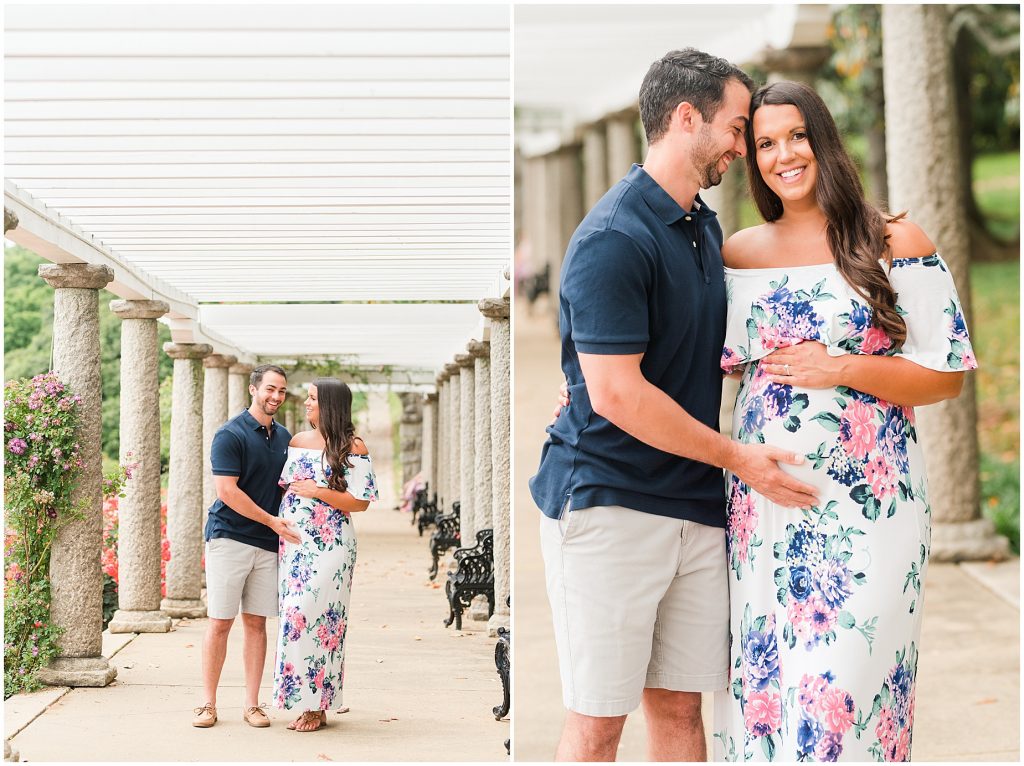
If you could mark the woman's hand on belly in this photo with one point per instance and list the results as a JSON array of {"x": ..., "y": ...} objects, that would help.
[{"x": 805, "y": 365}]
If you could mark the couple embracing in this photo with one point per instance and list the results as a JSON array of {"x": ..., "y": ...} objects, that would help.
[
  {"x": 790, "y": 587},
  {"x": 290, "y": 556}
]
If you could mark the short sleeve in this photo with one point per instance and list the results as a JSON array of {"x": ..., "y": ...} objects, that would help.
[
  {"x": 927, "y": 299},
  {"x": 606, "y": 284},
  {"x": 303, "y": 464},
  {"x": 362, "y": 484},
  {"x": 226, "y": 454}
]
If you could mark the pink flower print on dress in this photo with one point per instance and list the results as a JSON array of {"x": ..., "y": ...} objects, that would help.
[
  {"x": 882, "y": 478},
  {"x": 763, "y": 712},
  {"x": 857, "y": 429},
  {"x": 836, "y": 709},
  {"x": 822, "y": 616},
  {"x": 874, "y": 340},
  {"x": 812, "y": 689}
]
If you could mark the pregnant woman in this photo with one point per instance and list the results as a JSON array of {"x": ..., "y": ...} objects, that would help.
[
  {"x": 841, "y": 320},
  {"x": 327, "y": 477}
]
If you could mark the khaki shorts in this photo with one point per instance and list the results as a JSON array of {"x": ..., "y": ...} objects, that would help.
[
  {"x": 638, "y": 601},
  {"x": 237, "y": 573}
]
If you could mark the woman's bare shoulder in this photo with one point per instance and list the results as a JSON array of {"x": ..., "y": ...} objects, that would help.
[
  {"x": 303, "y": 439},
  {"x": 746, "y": 248},
  {"x": 907, "y": 240},
  {"x": 359, "y": 447}
]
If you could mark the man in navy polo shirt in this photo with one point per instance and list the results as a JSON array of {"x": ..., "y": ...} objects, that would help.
[
  {"x": 242, "y": 534},
  {"x": 630, "y": 480}
]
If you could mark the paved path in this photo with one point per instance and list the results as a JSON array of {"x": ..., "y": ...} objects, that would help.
[
  {"x": 968, "y": 696},
  {"x": 417, "y": 690}
]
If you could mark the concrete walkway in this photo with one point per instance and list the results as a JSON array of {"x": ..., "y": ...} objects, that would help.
[
  {"x": 968, "y": 705},
  {"x": 417, "y": 691}
]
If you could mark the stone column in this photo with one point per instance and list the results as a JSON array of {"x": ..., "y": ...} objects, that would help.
[
  {"x": 467, "y": 479},
  {"x": 482, "y": 479},
  {"x": 238, "y": 388},
  {"x": 215, "y": 414},
  {"x": 623, "y": 144},
  {"x": 570, "y": 211},
  {"x": 595, "y": 165},
  {"x": 185, "y": 484},
  {"x": 138, "y": 536},
  {"x": 497, "y": 310},
  {"x": 428, "y": 437},
  {"x": 76, "y": 579},
  {"x": 409, "y": 435},
  {"x": 289, "y": 414},
  {"x": 443, "y": 405},
  {"x": 454, "y": 433},
  {"x": 922, "y": 143}
]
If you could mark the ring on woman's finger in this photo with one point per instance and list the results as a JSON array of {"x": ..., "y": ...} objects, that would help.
[{"x": 787, "y": 369}]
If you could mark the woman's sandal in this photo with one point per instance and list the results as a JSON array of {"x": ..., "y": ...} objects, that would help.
[{"x": 307, "y": 717}]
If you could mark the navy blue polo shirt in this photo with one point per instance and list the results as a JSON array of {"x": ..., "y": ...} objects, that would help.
[
  {"x": 641, "y": 276},
  {"x": 245, "y": 448}
]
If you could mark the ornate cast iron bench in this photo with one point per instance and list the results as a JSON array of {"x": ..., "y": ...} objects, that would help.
[
  {"x": 428, "y": 516},
  {"x": 445, "y": 537},
  {"x": 473, "y": 576}
]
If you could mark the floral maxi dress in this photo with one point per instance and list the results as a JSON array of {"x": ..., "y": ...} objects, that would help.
[
  {"x": 315, "y": 583},
  {"x": 826, "y": 604}
]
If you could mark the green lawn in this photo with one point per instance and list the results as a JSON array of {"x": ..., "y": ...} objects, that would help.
[
  {"x": 995, "y": 332},
  {"x": 997, "y": 189}
]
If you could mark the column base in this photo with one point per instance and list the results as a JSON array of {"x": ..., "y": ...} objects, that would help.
[
  {"x": 183, "y": 607},
  {"x": 498, "y": 621},
  {"x": 131, "y": 621},
  {"x": 974, "y": 540},
  {"x": 478, "y": 609},
  {"x": 10, "y": 754},
  {"x": 78, "y": 671}
]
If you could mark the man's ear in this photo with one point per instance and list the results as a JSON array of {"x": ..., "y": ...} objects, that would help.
[
  {"x": 686, "y": 117},
  {"x": 252, "y": 391}
]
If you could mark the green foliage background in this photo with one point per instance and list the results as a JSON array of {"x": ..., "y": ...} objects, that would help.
[{"x": 28, "y": 338}]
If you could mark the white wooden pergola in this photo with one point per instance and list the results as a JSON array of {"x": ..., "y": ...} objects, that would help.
[
  {"x": 329, "y": 181},
  {"x": 573, "y": 68}
]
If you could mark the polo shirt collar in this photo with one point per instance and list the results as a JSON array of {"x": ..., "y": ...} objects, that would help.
[
  {"x": 658, "y": 200},
  {"x": 254, "y": 424}
]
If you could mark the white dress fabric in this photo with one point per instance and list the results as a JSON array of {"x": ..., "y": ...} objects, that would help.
[
  {"x": 315, "y": 584},
  {"x": 825, "y": 604}
]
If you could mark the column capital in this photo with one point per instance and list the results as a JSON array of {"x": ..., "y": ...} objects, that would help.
[
  {"x": 464, "y": 360},
  {"x": 494, "y": 308},
  {"x": 125, "y": 309},
  {"x": 79, "y": 275},
  {"x": 442, "y": 377},
  {"x": 10, "y": 220},
  {"x": 187, "y": 350},
  {"x": 479, "y": 348},
  {"x": 241, "y": 368},
  {"x": 219, "y": 360},
  {"x": 430, "y": 398},
  {"x": 453, "y": 369}
]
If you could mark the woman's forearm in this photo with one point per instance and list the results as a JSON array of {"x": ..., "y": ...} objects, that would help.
[
  {"x": 897, "y": 380},
  {"x": 343, "y": 501}
]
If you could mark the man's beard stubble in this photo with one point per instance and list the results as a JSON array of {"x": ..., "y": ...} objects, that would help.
[{"x": 705, "y": 158}]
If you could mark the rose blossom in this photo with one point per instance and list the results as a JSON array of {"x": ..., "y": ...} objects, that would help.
[
  {"x": 837, "y": 710},
  {"x": 763, "y": 713},
  {"x": 875, "y": 339},
  {"x": 857, "y": 429}
]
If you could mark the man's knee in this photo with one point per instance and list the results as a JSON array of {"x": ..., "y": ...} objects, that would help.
[
  {"x": 218, "y": 628},
  {"x": 256, "y": 623},
  {"x": 681, "y": 707},
  {"x": 595, "y": 728}
]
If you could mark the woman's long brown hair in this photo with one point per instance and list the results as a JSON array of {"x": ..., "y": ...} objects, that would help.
[
  {"x": 855, "y": 230},
  {"x": 334, "y": 400}
]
